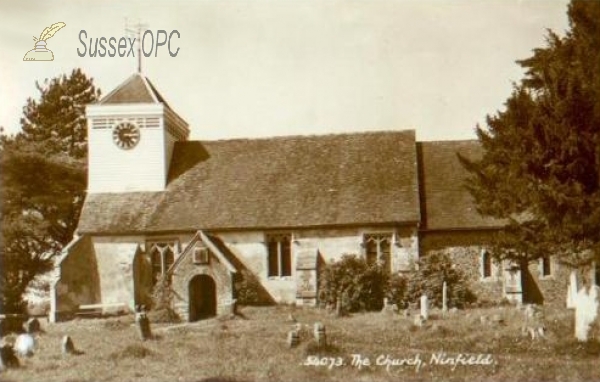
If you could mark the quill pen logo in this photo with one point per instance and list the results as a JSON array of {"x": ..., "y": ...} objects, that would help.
[{"x": 40, "y": 52}]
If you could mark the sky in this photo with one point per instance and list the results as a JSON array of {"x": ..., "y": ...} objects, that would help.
[{"x": 288, "y": 67}]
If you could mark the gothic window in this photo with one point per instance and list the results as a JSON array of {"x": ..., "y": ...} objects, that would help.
[
  {"x": 378, "y": 249},
  {"x": 162, "y": 257},
  {"x": 280, "y": 255},
  {"x": 486, "y": 264}
]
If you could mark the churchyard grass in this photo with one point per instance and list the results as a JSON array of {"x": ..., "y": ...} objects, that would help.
[{"x": 254, "y": 348}]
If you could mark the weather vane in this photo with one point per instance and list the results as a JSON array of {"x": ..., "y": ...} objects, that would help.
[{"x": 136, "y": 31}]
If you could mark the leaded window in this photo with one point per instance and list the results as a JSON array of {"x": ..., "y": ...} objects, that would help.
[
  {"x": 378, "y": 249},
  {"x": 162, "y": 257}
]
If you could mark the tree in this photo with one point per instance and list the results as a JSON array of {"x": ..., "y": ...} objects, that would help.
[
  {"x": 541, "y": 164},
  {"x": 43, "y": 182}
]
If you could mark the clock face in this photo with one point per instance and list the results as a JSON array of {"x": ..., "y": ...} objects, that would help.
[{"x": 126, "y": 135}]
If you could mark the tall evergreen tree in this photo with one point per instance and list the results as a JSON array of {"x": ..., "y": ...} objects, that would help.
[
  {"x": 43, "y": 171},
  {"x": 541, "y": 165}
]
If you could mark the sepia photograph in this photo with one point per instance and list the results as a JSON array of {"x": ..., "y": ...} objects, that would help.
[{"x": 300, "y": 190}]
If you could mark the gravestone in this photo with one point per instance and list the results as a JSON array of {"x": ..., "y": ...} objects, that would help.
[
  {"x": 445, "y": 298},
  {"x": 8, "y": 357},
  {"x": 424, "y": 307},
  {"x": 142, "y": 324},
  {"x": 419, "y": 321},
  {"x": 24, "y": 345},
  {"x": 572, "y": 290},
  {"x": 293, "y": 338},
  {"x": 67, "y": 345},
  {"x": 32, "y": 325},
  {"x": 586, "y": 312},
  {"x": 320, "y": 334}
]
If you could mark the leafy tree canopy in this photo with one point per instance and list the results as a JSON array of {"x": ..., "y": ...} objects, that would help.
[
  {"x": 541, "y": 165},
  {"x": 43, "y": 171}
]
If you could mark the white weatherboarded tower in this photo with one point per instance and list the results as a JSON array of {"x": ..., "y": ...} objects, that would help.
[{"x": 131, "y": 134}]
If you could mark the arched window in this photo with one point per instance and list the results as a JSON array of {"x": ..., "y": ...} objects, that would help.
[{"x": 486, "y": 264}]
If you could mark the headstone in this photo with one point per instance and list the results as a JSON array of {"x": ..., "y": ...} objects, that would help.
[
  {"x": 24, "y": 345},
  {"x": 320, "y": 334},
  {"x": 32, "y": 325},
  {"x": 424, "y": 307},
  {"x": 67, "y": 345},
  {"x": 572, "y": 290},
  {"x": 419, "y": 321},
  {"x": 445, "y": 298},
  {"x": 497, "y": 319},
  {"x": 142, "y": 324},
  {"x": 8, "y": 357},
  {"x": 293, "y": 338},
  {"x": 586, "y": 312}
]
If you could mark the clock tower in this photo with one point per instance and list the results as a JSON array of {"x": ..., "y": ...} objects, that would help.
[{"x": 131, "y": 135}]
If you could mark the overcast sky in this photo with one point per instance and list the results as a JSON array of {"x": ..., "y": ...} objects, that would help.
[{"x": 263, "y": 68}]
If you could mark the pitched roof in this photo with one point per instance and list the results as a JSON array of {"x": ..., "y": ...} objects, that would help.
[
  {"x": 445, "y": 202},
  {"x": 135, "y": 89},
  {"x": 281, "y": 182}
]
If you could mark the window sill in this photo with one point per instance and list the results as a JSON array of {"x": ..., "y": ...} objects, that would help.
[
  {"x": 280, "y": 278},
  {"x": 489, "y": 279}
]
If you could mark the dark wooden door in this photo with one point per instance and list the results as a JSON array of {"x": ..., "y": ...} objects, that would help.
[{"x": 202, "y": 298}]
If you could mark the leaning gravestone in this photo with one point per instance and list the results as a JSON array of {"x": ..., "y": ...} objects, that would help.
[
  {"x": 67, "y": 345},
  {"x": 32, "y": 325},
  {"x": 24, "y": 345}
]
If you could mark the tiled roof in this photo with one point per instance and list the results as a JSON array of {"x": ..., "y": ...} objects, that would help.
[
  {"x": 445, "y": 202},
  {"x": 135, "y": 89},
  {"x": 281, "y": 182}
]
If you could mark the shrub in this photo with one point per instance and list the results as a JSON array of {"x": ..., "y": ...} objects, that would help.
[
  {"x": 162, "y": 302},
  {"x": 357, "y": 285},
  {"x": 396, "y": 289},
  {"x": 434, "y": 269}
]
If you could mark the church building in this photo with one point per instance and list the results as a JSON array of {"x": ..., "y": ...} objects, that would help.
[{"x": 203, "y": 213}]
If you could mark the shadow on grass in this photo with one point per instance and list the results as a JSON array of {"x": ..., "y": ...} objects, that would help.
[
  {"x": 582, "y": 349},
  {"x": 131, "y": 351}
]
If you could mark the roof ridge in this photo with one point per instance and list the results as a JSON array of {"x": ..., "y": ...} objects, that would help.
[{"x": 304, "y": 136}]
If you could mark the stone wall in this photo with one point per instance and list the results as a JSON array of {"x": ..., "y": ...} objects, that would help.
[
  {"x": 331, "y": 244},
  {"x": 464, "y": 249},
  {"x": 77, "y": 280},
  {"x": 185, "y": 270},
  {"x": 115, "y": 259}
]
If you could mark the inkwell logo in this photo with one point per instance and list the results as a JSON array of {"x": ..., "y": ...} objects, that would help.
[{"x": 40, "y": 52}]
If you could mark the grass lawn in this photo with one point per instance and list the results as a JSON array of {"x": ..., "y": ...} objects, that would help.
[{"x": 254, "y": 348}]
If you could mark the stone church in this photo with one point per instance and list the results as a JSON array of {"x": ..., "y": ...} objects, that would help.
[{"x": 201, "y": 213}]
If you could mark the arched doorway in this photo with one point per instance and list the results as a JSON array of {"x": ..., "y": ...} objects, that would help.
[{"x": 202, "y": 298}]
